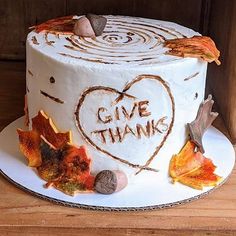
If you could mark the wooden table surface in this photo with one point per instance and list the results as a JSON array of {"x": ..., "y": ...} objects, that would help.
[{"x": 24, "y": 214}]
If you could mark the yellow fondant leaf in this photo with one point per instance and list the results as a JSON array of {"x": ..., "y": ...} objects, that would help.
[{"x": 192, "y": 168}]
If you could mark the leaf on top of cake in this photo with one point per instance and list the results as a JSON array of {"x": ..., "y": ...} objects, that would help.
[
  {"x": 197, "y": 46},
  {"x": 192, "y": 168},
  {"x": 63, "y": 24},
  {"x": 61, "y": 164}
]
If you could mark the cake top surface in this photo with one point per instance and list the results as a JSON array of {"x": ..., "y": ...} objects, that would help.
[{"x": 126, "y": 41}]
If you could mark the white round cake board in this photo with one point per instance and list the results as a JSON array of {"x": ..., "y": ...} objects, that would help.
[{"x": 152, "y": 194}]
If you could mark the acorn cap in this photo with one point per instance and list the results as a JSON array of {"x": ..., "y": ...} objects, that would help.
[{"x": 97, "y": 22}]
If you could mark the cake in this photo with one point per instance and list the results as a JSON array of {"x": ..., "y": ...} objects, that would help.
[{"x": 120, "y": 94}]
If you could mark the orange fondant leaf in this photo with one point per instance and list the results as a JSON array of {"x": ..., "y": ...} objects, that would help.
[
  {"x": 67, "y": 169},
  {"x": 62, "y": 165},
  {"x": 192, "y": 168},
  {"x": 197, "y": 46},
  {"x": 45, "y": 127},
  {"x": 76, "y": 164},
  {"x": 49, "y": 169},
  {"x": 29, "y": 146},
  {"x": 30, "y": 140},
  {"x": 59, "y": 25}
]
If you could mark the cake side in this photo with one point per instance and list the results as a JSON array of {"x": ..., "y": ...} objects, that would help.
[{"x": 143, "y": 127}]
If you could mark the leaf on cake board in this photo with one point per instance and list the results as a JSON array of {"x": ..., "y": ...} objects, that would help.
[
  {"x": 192, "y": 168},
  {"x": 61, "y": 164},
  {"x": 76, "y": 167},
  {"x": 29, "y": 146},
  {"x": 49, "y": 170},
  {"x": 30, "y": 140},
  {"x": 67, "y": 169},
  {"x": 203, "y": 121},
  {"x": 197, "y": 46}
]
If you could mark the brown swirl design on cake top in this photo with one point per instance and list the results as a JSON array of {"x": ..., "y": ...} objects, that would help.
[
  {"x": 50, "y": 43},
  {"x": 124, "y": 40},
  {"x": 34, "y": 40}
]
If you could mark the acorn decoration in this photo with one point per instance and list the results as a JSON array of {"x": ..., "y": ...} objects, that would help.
[
  {"x": 90, "y": 25},
  {"x": 108, "y": 182}
]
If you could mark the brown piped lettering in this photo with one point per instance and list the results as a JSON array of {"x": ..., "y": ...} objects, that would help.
[
  {"x": 142, "y": 108},
  {"x": 101, "y": 134},
  {"x": 104, "y": 119},
  {"x": 141, "y": 130}
]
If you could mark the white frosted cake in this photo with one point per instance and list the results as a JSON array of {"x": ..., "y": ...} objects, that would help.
[{"x": 120, "y": 94}]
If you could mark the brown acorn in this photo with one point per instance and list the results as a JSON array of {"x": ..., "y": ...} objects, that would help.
[
  {"x": 83, "y": 27},
  {"x": 98, "y": 23},
  {"x": 108, "y": 182}
]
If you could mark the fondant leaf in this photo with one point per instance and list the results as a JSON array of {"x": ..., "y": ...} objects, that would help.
[
  {"x": 49, "y": 170},
  {"x": 203, "y": 121},
  {"x": 192, "y": 168},
  {"x": 183, "y": 162},
  {"x": 29, "y": 146},
  {"x": 69, "y": 187},
  {"x": 62, "y": 165},
  {"x": 76, "y": 164},
  {"x": 67, "y": 169},
  {"x": 30, "y": 140},
  {"x": 197, "y": 46},
  {"x": 63, "y": 25},
  {"x": 45, "y": 127}
]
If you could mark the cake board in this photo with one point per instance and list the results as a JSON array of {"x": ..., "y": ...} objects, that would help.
[{"x": 151, "y": 195}]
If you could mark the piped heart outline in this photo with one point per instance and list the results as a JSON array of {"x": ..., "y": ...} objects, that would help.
[{"x": 121, "y": 95}]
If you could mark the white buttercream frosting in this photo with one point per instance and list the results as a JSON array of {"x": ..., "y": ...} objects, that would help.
[{"x": 120, "y": 94}]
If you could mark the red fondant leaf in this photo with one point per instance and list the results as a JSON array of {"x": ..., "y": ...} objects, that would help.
[
  {"x": 192, "y": 168},
  {"x": 62, "y": 165},
  {"x": 197, "y": 46},
  {"x": 59, "y": 25},
  {"x": 30, "y": 140},
  {"x": 49, "y": 170},
  {"x": 45, "y": 127},
  {"x": 67, "y": 169},
  {"x": 29, "y": 146},
  {"x": 76, "y": 164}
]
